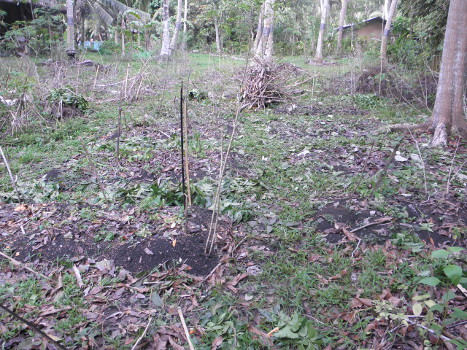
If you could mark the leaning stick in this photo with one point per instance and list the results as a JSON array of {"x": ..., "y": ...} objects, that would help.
[
  {"x": 185, "y": 328},
  {"x": 215, "y": 214},
  {"x": 19, "y": 264},
  {"x": 13, "y": 182}
]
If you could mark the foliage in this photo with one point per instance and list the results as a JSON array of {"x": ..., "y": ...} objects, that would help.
[
  {"x": 39, "y": 34},
  {"x": 69, "y": 98}
]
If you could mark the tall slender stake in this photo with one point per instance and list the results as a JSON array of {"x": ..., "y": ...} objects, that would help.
[
  {"x": 182, "y": 146},
  {"x": 13, "y": 182},
  {"x": 187, "y": 159},
  {"x": 119, "y": 132}
]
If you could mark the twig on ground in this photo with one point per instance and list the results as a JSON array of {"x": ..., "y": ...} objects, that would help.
[
  {"x": 20, "y": 264},
  {"x": 380, "y": 174},
  {"x": 452, "y": 166},
  {"x": 212, "y": 272},
  {"x": 79, "y": 280},
  {"x": 13, "y": 182},
  {"x": 356, "y": 248},
  {"x": 187, "y": 333},
  {"x": 142, "y": 335},
  {"x": 422, "y": 162},
  {"x": 33, "y": 326}
]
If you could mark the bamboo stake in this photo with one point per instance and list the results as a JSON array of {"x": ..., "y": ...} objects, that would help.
[
  {"x": 182, "y": 146},
  {"x": 119, "y": 132},
  {"x": 13, "y": 182},
  {"x": 185, "y": 147}
]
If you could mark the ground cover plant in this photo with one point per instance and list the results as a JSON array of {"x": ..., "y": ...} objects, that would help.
[{"x": 333, "y": 232}]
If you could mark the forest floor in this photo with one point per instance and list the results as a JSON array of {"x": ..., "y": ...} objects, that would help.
[{"x": 331, "y": 235}]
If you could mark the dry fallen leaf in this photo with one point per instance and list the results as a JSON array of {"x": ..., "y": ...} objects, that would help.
[{"x": 148, "y": 251}]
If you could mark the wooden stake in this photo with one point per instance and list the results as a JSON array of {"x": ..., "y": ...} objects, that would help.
[
  {"x": 13, "y": 182},
  {"x": 119, "y": 132},
  {"x": 185, "y": 147},
  {"x": 182, "y": 146}
]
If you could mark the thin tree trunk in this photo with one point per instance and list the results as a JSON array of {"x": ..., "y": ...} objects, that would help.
[
  {"x": 322, "y": 28},
  {"x": 341, "y": 26},
  {"x": 165, "y": 49},
  {"x": 259, "y": 30},
  {"x": 185, "y": 16},
  {"x": 387, "y": 32},
  {"x": 178, "y": 25},
  {"x": 83, "y": 36},
  {"x": 218, "y": 36},
  {"x": 70, "y": 29},
  {"x": 448, "y": 107},
  {"x": 386, "y": 8},
  {"x": 116, "y": 35},
  {"x": 122, "y": 28}
]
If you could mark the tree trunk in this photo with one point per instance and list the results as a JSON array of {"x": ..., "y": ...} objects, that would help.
[
  {"x": 386, "y": 8},
  {"x": 448, "y": 110},
  {"x": 165, "y": 49},
  {"x": 178, "y": 25},
  {"x": 259, "y": 30},
  {"x": 341, "y": 26},
  {"x": 387, "y": 32},
  {"x": 185, "y": 16},
  {"x": 218, "y": 36},
  {"x": 266, "y": 42},
  {"x": 70, "y": 29},
  {"x": 122, "y": 28},
  {"x": 116, "y": 35},
  {"x": 322, "y": 27}
]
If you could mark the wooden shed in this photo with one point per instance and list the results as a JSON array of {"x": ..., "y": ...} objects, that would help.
[{"x": 371, "y": 29}]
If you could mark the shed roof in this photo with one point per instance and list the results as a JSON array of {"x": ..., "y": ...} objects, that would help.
[{"x": 365, "y": 22}]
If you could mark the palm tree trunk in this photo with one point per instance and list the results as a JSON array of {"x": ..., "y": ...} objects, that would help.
[
  {"x": 165, "y": 49},
  {"x": 386, "y": 33},
  {"x": 341, "y": 26},
  {"x": 322, "y": 27},
  {"x": 70, "y": 29}
]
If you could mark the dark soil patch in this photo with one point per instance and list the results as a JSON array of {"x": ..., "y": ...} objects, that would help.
[
  {"x": 293, "y": 109},
  {"x": 75, "y": 238},
  {"x": 345, "y": 213}
]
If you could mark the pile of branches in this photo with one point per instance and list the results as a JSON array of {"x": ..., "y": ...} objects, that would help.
[{"x": 266, "y": 83}]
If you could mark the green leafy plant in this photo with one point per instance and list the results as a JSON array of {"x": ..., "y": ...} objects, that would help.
[{"x": 68, "y": 97}]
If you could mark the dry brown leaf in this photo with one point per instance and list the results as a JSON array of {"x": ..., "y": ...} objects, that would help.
[
  {"x": 217, "y": 342},
  {"x": 261, "y": 336},
  {"x": 339, "y": 275}
]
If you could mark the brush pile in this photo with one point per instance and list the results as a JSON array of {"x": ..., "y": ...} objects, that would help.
[{"x": 266, "y": 83}]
